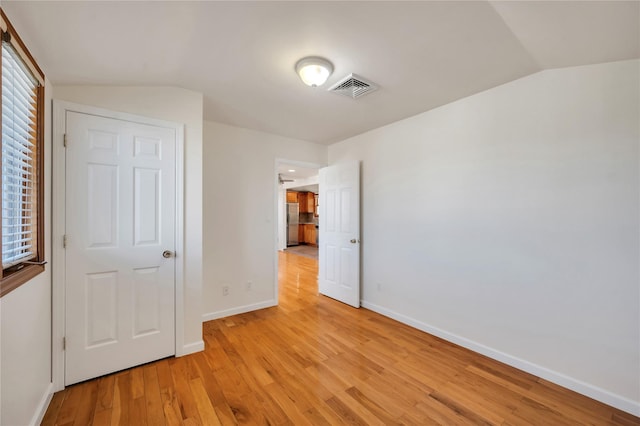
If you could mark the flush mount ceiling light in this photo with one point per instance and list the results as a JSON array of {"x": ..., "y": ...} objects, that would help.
[{"x": 314, "y": 71}]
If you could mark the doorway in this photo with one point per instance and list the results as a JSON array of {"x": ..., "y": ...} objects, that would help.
[
  {"x": 338, "y": 213},
  {"x": 298, "y": 192},
  {"x": 297, "y": 218}
]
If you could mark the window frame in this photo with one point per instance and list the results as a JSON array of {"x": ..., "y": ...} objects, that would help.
[{"x": 14, "y": 276}]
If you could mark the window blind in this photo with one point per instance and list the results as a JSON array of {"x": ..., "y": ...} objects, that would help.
[{"x": 19, "y": 121}]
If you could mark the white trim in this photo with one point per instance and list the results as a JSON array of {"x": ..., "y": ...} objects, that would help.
[
  {"x": 599, "y": 394},
  {"x": 58, "y": 276},
  {"x": 239, "y": 310},
  {"x": 41, "y": 409},
  {"x": 191, "y": 348},
  {"x": 179, "y": 246},
  {"x": 60, "y": 109}
]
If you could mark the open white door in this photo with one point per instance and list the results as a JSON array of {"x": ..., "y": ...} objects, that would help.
[
  {"x": 339, "y": 240},
  {"x": 120, "y": 239}
]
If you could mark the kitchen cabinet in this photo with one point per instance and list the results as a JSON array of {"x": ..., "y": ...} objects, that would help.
[
  {"x": 310, "y": 234},
  {"x": 307, "y": 233},
  {"x": 311, "y": 202},
  {"x": 292, "y": 197},
  {"x": 302, "y": 201},
  {"x": 307, "y": 201}
]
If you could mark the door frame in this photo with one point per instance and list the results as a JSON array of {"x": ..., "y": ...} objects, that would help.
[{"x": 58, "y": 208}]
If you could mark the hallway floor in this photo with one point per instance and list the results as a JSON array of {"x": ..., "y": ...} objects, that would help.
[{"x": 303, "y": 250}]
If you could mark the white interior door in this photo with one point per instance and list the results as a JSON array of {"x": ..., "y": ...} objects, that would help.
[
  {"x": 120, "y": 218},
  {"x": 339, "y": 240}
]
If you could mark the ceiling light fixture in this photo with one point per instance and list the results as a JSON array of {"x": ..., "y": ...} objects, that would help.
[
  {"x": 314, "y": 71},
  {"x": 292, "y": 170}
]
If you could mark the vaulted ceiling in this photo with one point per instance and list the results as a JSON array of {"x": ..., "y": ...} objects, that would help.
[{"x": 241, "y": 55}]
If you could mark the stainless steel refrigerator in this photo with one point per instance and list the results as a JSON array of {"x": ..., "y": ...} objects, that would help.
[{"x": 292, "y": 224}]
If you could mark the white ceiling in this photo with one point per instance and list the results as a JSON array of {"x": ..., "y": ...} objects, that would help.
[
  {"x": 241, "y": 55},
  {"x": 298, "y": 172}
]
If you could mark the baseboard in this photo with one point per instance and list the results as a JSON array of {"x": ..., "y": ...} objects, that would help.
[
  {"x": 599, "y": 394},
  {"x": 191, "y": 348},
  {"x": 42, "y": 406},
  {"x": 239, "y": 310}
]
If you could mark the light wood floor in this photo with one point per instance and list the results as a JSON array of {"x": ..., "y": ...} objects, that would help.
[{"x": 312, "y": 360}]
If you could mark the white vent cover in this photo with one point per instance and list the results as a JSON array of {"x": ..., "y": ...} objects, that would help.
[{"x": 354, "y": 86}]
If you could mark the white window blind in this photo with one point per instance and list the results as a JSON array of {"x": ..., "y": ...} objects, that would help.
[{"x": 19, "y": 121}]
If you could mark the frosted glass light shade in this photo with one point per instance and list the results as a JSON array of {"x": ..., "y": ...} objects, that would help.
[{"x": 314, "y": 71}]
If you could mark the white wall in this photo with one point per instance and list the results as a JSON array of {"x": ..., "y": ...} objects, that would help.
[
  {"x": 240, "y": 214},
  {"x": 25, "y": 326},
  {"x": 509, "y": 222},
  {"x": 181, "y": 106}
]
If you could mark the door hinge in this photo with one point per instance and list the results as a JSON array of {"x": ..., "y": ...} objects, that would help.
[
  {"x": 64, "y": 140},
  {"x": 64, "y": 241},
  {"x": 64, "y": 343}
]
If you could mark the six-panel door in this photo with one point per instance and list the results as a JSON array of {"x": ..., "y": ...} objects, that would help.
[
  {"x": 120, "y": 218},
  {"x": 339, "y": 250}
]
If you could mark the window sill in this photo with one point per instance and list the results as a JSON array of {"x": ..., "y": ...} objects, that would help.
[{"x": 17, "y": 278}]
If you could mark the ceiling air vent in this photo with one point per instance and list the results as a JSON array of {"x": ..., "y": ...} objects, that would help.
[{"x": 353, "y": 86}]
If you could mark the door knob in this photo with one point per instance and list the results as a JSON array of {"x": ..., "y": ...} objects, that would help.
[
  {"x": 353, "y": 241},
  {"x": 167, "y": 254}
]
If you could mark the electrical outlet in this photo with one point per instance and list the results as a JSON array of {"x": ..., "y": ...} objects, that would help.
[
  {"x": 225, "y": 290},
  {"x": 248, "y": 286}
]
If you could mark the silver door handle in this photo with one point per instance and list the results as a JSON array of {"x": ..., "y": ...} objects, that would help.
[
  {"x": 353, "y": 241},
  {"x": 167, "y": 254}
]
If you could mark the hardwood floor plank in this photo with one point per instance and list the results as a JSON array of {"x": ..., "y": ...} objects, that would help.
[
  {"x": 624, "y": 419},
  {"x": 209, "y": 381},
  {"x": 205, "y": 409},
  {"x": 137, "y": 383},
  {"x": 87, "y": 403},
  {"x": 316, "y": 418},
  {"x": 225, "y": 415},
  {"x": 534, "y": 412},
  {"x": 70, "y": 405},
  {"x": 500, "y": 398},
  {"x": 105, "y": 392},
  {"x": 170, "y": 407},
  {"x": 439, "y": 413},
  {"x": 345, "y": 413},
  {"x": 315, "y": 361},
  {"x": 138, "y": 414},
  {"x": 287, "y": 405},
  {"x": 395, "y": 395},
  {"x": 102, "y": 417},
  {"x": 53, "y": 410},
  {"x": 155, "y": 414},
  {"x": 328, "y": 379},
  {"x": 270, "y": 410},
  {"x": 457, "y": 407},
  {"x": 372, "y": 406},
  {"x": 488, "y": 411},
  {"x": 184, "y": 398},
  {"x": 121, "y": 397},
  {"x": 164, "y": 374}
]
